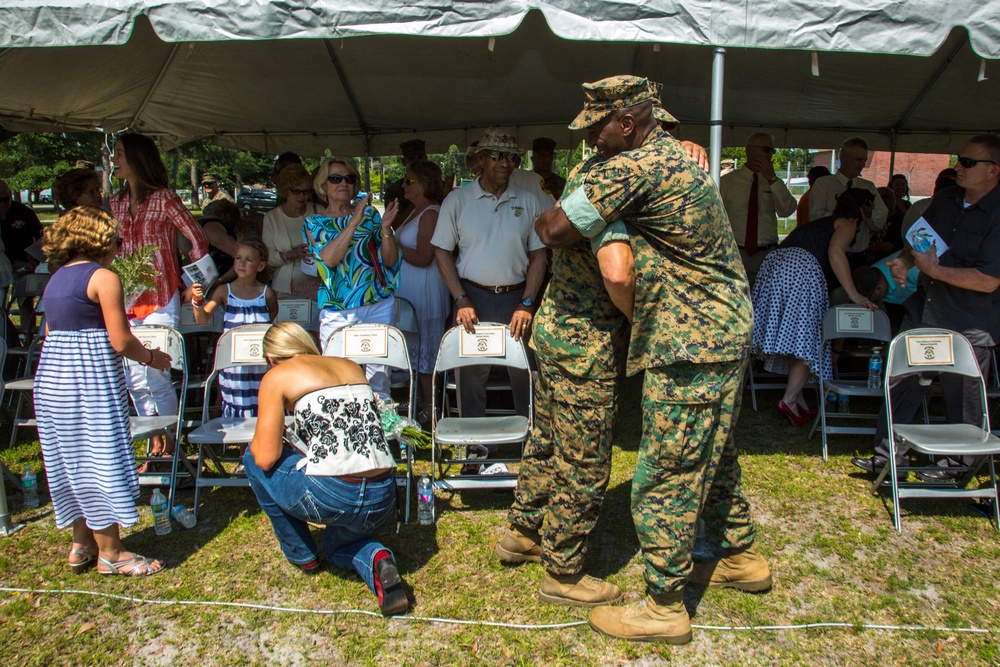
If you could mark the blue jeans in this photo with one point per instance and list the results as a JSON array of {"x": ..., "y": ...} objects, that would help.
[{"x": 353, "y": 513}]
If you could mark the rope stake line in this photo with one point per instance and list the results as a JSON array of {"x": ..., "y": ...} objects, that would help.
[{"x": 495, "y": 624}]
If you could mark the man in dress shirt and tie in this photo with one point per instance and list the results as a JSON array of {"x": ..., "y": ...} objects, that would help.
[
  {"x": 754, "y": 197},
  {"x": 824, "y": 193}
]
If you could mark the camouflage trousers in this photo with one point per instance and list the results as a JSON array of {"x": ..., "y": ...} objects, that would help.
[
  {"x": 687, "y": 467},
  {"x": 566, "y": 465}
]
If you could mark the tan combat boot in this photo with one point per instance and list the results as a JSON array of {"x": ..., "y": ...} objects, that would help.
[
  {"x": 662, "y": 618},
  {"x": 744, "y": 570},
  {"x": 519, "y": 545},
  {"x": 578, "y": 590}
]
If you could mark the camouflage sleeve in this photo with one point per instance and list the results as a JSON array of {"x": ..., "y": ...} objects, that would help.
[
  {"x": 615, "y": 232},
  {"x": 610, "y": 191}
]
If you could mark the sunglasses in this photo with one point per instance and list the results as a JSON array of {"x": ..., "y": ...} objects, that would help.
[
  {"x": 765, "y": 149},
  {"x": 337, "y": 179},
  {"x": 497, "y": 156},
  {"x": 306, "y": 192},
  {"x": 969, "y": 162},
  {"x": 5, "y": 200},
  {"x": 409, "y": 181}
]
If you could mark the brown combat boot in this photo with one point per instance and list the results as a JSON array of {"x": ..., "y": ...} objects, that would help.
[
  {"x": 662, "y": 618},
  {"x": 519, "y": 545},
  {"x": 578, "y": 590},
  {"x": 745, "y": 570}
]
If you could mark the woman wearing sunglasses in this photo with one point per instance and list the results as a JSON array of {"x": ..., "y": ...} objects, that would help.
[
  {"x": 356, "y": 256},
  {"x": 282, "y": 235}
]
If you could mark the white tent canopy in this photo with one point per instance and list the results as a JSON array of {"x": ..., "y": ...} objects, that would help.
[{"x": 360, "y": 77}]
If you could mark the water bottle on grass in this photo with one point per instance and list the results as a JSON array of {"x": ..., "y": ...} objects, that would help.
[
  {"x": 425, "y": 500},
  {"x": 161, "y": 514},
  {"x": 184, "y": 516},
  {"x": 29, "y": 484}
]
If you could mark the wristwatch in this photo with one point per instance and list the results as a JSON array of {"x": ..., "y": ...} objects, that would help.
[{"x": 527, "y": 302}]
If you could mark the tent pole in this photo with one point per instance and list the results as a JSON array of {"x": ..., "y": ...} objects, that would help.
[
  {"x": 7, "y": 527},
  {"x": 892, "y": 154},
  {"x": 715, "y": 135}
]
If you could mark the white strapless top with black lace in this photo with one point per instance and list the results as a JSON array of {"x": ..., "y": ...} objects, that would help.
[{"x": 341, "y": 429}]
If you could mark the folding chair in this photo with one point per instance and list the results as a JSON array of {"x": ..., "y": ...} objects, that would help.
[
  {"x": 495, "y": 345},
  {"x": 301, "y": 311},
  {"x": 240, "y": 346},
  {"x": 32, "y": 286},
  {"x": 367, "y": 343},
  {"x": 169, "y": 340},
  {"x": 4, "y": 470},
  {"x": 858, "y": 323},
  {"x": 199, "y": 342},
  {"x": 938, "y": 351},
  {"x": 24, "y": 386},
  {"x": 406, "y": 321}
]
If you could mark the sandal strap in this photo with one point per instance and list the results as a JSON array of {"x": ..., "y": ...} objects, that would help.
[
  {"x": 139, "y": 566},
  {"x": 81, "y": 552}
]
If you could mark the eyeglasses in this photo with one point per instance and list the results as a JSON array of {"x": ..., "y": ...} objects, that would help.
[
  {"x": 969, "y": 163},
  {"x": 5, "y": 200},
  {"x": 497, "y": 156},
  {"x": 301, "y": 193},
  {"x": 409, "y": 181},
  {"x": 337, "y": 179},
  {"x": 764, "y": 149}
]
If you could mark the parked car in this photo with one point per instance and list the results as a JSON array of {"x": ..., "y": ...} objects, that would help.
[{"x": 261, "y": 200}]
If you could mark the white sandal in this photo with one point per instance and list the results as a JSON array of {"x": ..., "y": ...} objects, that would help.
[{"x": 136, "y": 566}]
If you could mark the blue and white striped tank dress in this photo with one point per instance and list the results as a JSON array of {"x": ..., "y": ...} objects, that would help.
[
  {"x": 82, "y": 409},
  {"x": 239, "y": 386}
]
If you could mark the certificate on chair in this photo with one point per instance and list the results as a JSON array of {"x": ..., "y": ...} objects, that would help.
[
  {"x": 152, "y": 340},
  {"x": 366, "y": 342},
  {"x": 855, "y": 320},
  {"x": 248, "y": 348},
  {"x": 294, "y": 310},
  {"x": 486, "y": 342},
  {"x": 930, "y": 350}
]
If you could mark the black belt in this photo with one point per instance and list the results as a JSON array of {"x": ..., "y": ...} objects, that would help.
[
  {"x": 496, "y": 289},
  {"x": 358, "y": 480},
  {"x": 762, "y": 247}
]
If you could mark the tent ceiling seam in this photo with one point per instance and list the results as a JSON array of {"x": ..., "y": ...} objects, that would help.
[
  {"x": 156, "y": 84},
  {"x": 930, "y": 84},
  {"x": 348, "y": 92}
]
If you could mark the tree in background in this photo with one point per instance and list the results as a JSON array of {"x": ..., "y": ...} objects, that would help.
[{"x": 33, "y": 160}]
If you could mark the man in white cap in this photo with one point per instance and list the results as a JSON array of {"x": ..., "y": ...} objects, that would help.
[{"x": 500, "y": 264}]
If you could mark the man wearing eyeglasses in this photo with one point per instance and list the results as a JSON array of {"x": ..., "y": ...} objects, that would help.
[
  {"x": 754, "y": 197},
  {"x": 497, "y": 272},
  {"x": 957, "y": 290},
  {"x": 213, "y": 192},
  {"x": 823, "y": 197}
]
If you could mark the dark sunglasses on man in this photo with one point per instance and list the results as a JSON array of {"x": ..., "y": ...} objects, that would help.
[{"x": 969, "y": 163}]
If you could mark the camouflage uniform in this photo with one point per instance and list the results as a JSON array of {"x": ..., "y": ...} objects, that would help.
[
  {"x": 579, "y": 338},
  {"x": 691, "y": 335}
]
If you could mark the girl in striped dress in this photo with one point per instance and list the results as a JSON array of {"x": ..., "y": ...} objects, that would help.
[
  {"x": 246, "y": 300},
  {"x": 80, "y": 397}
]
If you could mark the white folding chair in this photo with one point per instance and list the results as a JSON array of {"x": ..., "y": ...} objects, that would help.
[
  {"x": 31, "y": 285},
  {"x": 144, "y": 427},
  {"x": 369, "y": 343},
  {"x": 240, "y": 346},
  {"x": 4, "y": 470},
  {"x": 858, "y": 323},
  {"x": 24, "y": 386},
  {"x": 199, "y": 342},
  {"x": 301, "y": 311},
  {"x": 492, "y": 344},
  {"x": 938, "y": 351}
]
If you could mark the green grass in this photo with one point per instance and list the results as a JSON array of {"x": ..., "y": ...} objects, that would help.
[{"x": 831, "y": 545}]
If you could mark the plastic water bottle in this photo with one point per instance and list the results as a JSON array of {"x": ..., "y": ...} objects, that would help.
[
  {"x": 184, "y": 516},
  {"x": 425, "y": 500},
  {"x": 29, "y": 482},
  {"x": 875, "y": 370},
  {"x": 831, "y": 403},
  {"x": 161, "y": 515},
  {"x": 844, "y": 404}
]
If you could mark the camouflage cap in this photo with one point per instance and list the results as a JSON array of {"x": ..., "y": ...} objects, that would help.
[
  {"x": 208, "y": 177},
  {"x": 542, "y": 144},
  {"x": 495, "y": 139},
  {"x": 619, "y": 92}
]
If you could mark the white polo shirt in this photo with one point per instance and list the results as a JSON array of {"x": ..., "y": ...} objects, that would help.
[{"x": 493, "y": 235}]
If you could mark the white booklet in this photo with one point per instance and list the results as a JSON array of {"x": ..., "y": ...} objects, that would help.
[
  {"x": 203, "y": 271},
  {"x": 921, "y": 236}
]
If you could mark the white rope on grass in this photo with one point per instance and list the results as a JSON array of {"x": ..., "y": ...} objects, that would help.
[{"x": 495, "y": 624}]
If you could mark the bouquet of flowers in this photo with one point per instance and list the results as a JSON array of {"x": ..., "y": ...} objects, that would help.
[
  {"x": 135, "y": 270},
  {"x": 404, "y": 429}
]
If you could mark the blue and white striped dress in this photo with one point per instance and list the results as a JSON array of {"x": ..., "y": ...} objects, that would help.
[
  {"x": 239, "y": 386},
  {"x": 81, "y": 406}
]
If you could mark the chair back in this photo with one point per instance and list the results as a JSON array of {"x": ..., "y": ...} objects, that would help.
[
  {"x": 406, "y": 316},
  {"x": 369, "y": 343},
  {"x": 301, "y": 311},
  {"x": 851, "y": 321},
  {"x": 31, "y": 285},
  {"x": 166, "y": 339},
  {"x": 241, "y": 346},
  {"x": 491, "y": 345}
]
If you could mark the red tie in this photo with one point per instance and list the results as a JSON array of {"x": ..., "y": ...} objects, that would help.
[{"x": 750, "y": 239}]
